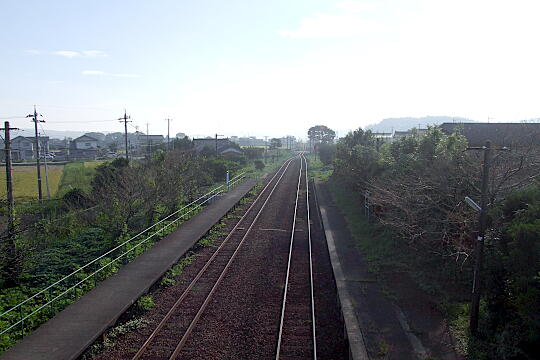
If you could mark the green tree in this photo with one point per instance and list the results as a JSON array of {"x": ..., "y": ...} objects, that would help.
[
  {"x": 253, "y": 153},
  {"x": 327, "y": 153},
  {"x": 275, "y": 143},
  {"x": 321, "y": 134},
  {"x": 259, "y": 165},
  {"x": 182, "y": 144}
]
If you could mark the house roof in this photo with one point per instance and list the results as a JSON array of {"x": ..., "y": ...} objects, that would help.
[
  {"x": 20, "y": 138},
  {"x": 200, "y": 144},
  {"x": 230, "y": 150},
  {"x": 85, "y": 138},
  {"x": 143, "y": 138},
  {"x": 29, "y": 138},
  {"x": 224, "y": 145},
  {"x": 500, "y": 134}
]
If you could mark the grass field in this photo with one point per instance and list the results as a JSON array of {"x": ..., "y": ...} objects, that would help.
[
  {"x": 25, "y": 181},
  {"x": 78, "y": 175},
  {"x": 62, "y": 178}
]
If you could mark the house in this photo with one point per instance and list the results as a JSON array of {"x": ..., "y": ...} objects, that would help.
[
  {"x": 145, "y": 143},
  {"x": 511, "y": 135},
  {"x": 83, "y": 147},
  {"x": 224, "y": 146},
  {"x": 399, "y": 134},
  {"x": 383, "y": 137},
  {"x": 23, "y": 147}
]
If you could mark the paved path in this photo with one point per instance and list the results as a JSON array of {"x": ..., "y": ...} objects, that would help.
[{"x": 75, "y": 328}]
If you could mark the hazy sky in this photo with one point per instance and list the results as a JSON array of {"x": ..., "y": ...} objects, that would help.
[{"x": 274, "y": 67}]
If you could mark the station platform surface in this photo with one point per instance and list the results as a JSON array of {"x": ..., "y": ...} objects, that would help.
[
  {"x": 373, "y": 321},
  {"x": 71, "y": 331},
  {"x": 342, "y": 253}
]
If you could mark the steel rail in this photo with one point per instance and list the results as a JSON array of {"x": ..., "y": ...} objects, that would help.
[
  {"x": 189, "y": 330},
  {"x": 201, "y": 272},
  {"x": 313, "y": 325},
  {"x": 286, "y": 287}
]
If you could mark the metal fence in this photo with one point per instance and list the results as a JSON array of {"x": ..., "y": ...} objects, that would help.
[{"x": 44, "y": 304}]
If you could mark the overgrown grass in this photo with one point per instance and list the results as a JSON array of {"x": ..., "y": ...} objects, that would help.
[
  {"x": 317, "y": 170},
  {"x": 62, "y": 178},
  {"x": 145, "y": 303},
  {"x": 78, "y": 175},
  {"x": 377, "y": 244},
  {"x": 25, "y": 181},
  {"x": 270, "y": 165},
  {"x": 169, "y": 278}
]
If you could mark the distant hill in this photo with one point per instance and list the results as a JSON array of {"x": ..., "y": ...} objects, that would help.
[{"x": 406, "y": 123}]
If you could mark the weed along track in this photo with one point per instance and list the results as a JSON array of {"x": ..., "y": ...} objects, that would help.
[{"x": 253, "y": 296}]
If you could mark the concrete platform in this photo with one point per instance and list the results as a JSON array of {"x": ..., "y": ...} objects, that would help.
[
  {"x": 375, "y": 325},
  {"x": 75, "y": 328},
  {"x": 344, "y": 276}
]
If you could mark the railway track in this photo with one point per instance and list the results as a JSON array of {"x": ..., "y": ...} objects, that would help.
[
  {"x": 169, "y": 337},
  {"x": 297, "y": 336}
]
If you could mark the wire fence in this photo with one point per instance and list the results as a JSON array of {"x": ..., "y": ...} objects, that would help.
[{"x": 44, "y": 304}]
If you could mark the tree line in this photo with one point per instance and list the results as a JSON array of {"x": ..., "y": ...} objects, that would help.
[{"x": 415, "y": 187}]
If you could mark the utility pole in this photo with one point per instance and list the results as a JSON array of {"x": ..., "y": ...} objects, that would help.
[
  {"x": 34, "y": 117},
  {"x": 148, "y": 148},
  {"x": 168, "y": 133},
  {"x": 479, "y": 245},
  {"x": 265, "y": 147},
  {"x": 9, "y": 178},
  {"x": 125, "y": 120},
  {"x": 216, "y": 144}
]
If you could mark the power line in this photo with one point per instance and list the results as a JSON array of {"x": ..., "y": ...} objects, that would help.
[
  {"x": 80, "y": 122},
  {"x": 12, "y": 117},
  {"x": 78, "y": 107}
]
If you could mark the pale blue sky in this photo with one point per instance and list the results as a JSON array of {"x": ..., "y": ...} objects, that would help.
[{"x": 266, "y": 67}]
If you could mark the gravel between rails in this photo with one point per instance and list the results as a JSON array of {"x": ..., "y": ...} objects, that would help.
[
  {"x": 242, "y": 321},
  {"x": 297, "y": 337}
]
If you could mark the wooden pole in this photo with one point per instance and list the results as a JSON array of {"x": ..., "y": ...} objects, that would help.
[
  {"x": 9, "y": 178},
  {"x": 479, "y": 247}
]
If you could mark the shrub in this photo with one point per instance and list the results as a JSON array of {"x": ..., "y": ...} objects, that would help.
[{"x": 259, "y": 165}]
